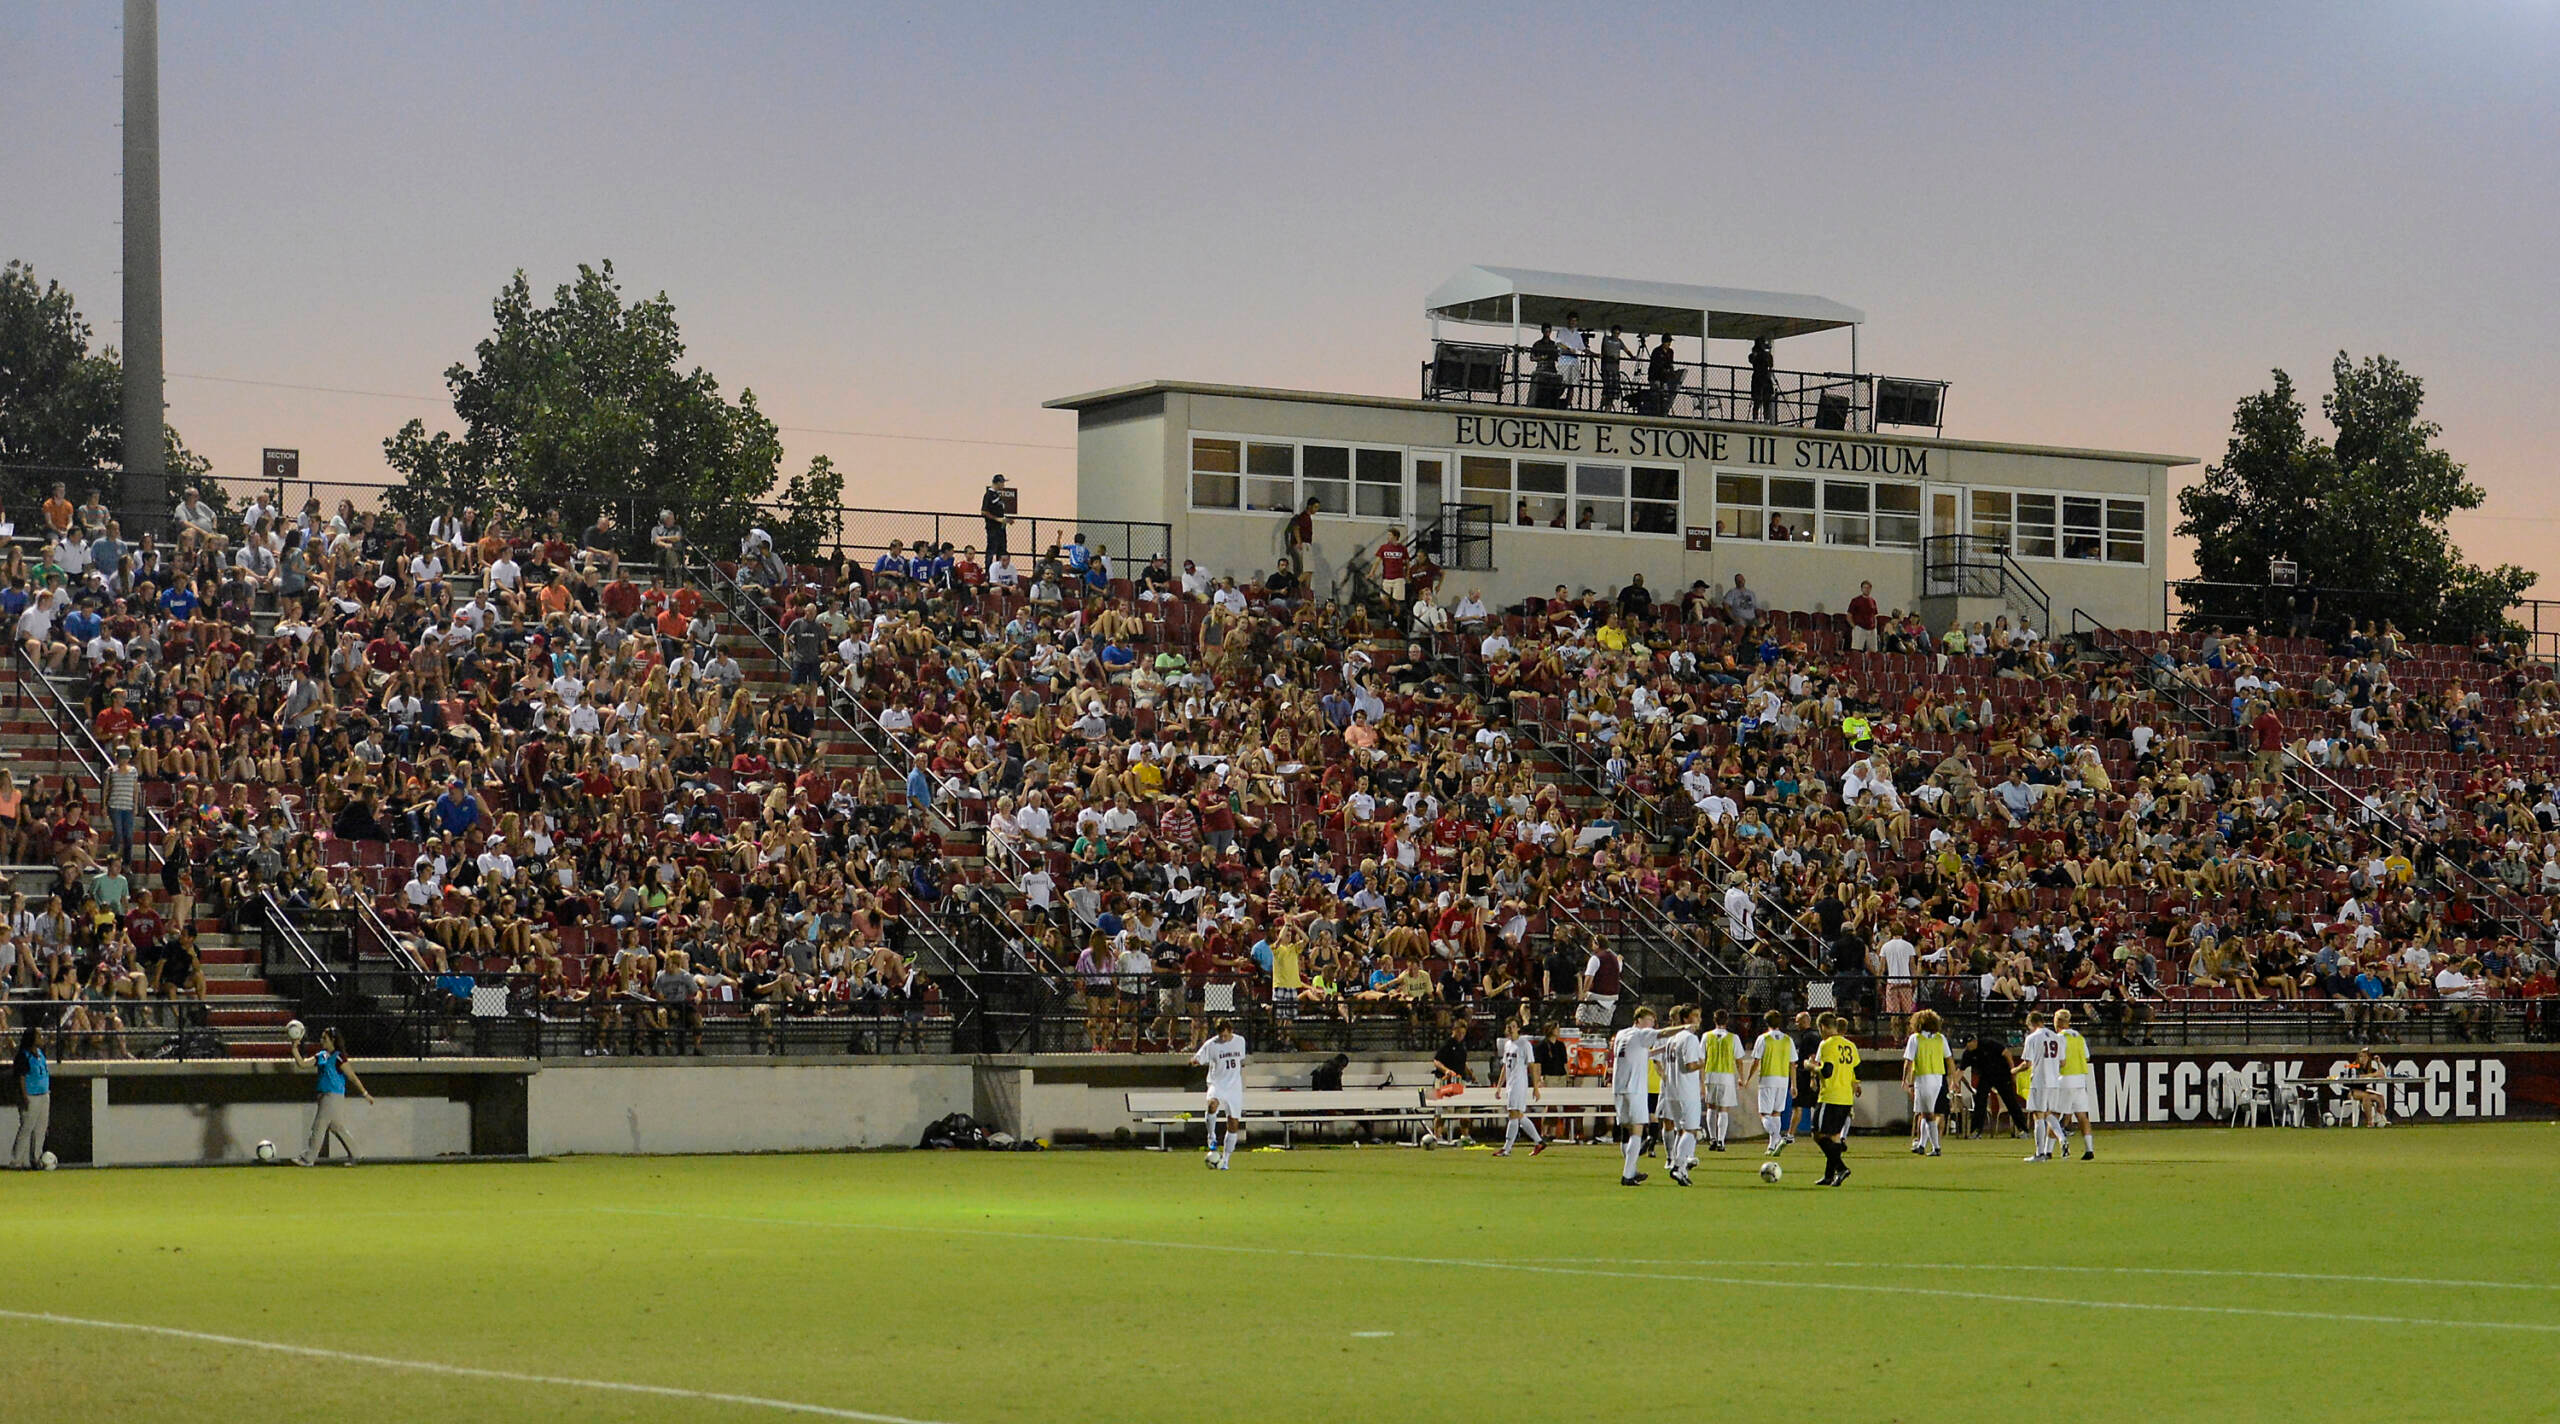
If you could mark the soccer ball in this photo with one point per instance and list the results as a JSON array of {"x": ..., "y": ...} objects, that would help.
[
  {"x": 1430, "y": 1142},
  {"x": 48, "y": 1162},
  {"x": 1771, "y": 1171},
  {"x": 266, "y": 1150},
  {"x": 293, "y": 1030},
  {"x": 2328, "y": 1119}
]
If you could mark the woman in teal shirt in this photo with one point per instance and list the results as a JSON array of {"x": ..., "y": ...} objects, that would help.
[{"x": 35, "y": 1085}]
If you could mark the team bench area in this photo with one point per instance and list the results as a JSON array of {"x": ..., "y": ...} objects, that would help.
[{"x": 1397, "y": 1109}]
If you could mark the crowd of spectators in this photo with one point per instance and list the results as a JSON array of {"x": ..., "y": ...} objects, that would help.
[{"x": 550, "y": 757}]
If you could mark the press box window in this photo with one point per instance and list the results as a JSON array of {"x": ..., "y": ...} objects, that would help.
[
  {"x": 1600, "y": 497},
  {"x": 2128, "y": 531},
  {"x": 1738, "y": 512},
  {"x": 1271, "y": 477},
  {"x": 1485, "y": 482},
  {"x": 1542, "y": 502},
  {"x": 1217, "y": 468},
  {"x": 2035, "y": 530},
  {"x": 1991, "y": 517},
  {"x": 1897, "y": 516},
  {"x": 2084, "y": 528},
  {"x": 1324, "y": 475},
  {"x": 1845, "y": 507},
  {"x": 1379, "y": 489},
  {"x": 1791, "y": 511},
  {"x": 1655, "y": 506}
]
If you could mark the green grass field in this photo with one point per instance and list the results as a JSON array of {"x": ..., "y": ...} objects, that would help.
[{"x": 2407, "y": 1274}]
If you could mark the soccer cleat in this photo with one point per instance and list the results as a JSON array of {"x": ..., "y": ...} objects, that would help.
[
  {"x": 2035, "y": 1157},
  {"x": 1505, "y": 1152},
  {"x": 1682, "y": 1177},
  {"x": 1917, "y": 1149},
  {"x": 1840, "y": 1178},
  {"x": 1937, "y": 1152},
  {"x": 1537, "y": 1147},
  {"x": 1826, "y": 1180},
  {"x": 2089, "y": 1154},
  {"x": 1715, "y": 1147}
]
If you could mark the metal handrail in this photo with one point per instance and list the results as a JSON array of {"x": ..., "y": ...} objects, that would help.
[
  {"x": 1495, "y": 373},
  {"x": 75, "y": 735},
  {"x": 1652, "y": 816},
  {"x": 280, "y": 920},
  {"x": 2314, "y": 784}
]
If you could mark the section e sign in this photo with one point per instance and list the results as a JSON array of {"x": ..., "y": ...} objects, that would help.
[{"x": 274, "y": 464}]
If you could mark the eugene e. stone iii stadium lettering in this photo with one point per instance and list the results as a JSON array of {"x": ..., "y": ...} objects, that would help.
[{"x": 1654, "y": 442}]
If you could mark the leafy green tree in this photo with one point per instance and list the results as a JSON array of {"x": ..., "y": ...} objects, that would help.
[
  {"x": 2363, "y": 511},
  {"x": 812, "y": 512},
  {"x": 583, "y": 404},
  {"x": 61, "y": 402}
]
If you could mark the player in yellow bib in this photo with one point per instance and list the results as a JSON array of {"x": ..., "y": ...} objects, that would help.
[
  {"x": 1924, "y": 1076},
  {"x": 1721, "y": 1070},
  {"x": 2078, "y": 1094},
  {"x": 1835, "y": 1066},
  {"x": 1771, "y": 1064}
]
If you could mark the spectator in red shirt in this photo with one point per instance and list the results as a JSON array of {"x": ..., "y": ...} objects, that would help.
[
  {"x": 115, "y": 720},
  {"x": 1862, "y": 619}
]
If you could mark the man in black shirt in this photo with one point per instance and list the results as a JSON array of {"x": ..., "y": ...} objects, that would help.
[
  {"x": 996, "y": 508},
  {"x": 1988, "y": 1061}
]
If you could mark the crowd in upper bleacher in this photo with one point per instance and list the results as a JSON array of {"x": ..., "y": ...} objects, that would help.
[{"x": 556, "y": 756}]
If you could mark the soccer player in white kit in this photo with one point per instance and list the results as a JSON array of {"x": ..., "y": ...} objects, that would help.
[
  {"x": 2076, "y": 1094},
  {"x": 1630, "y": 1054},
  {"x": 1683, "y": 1053},
  {"x": 1772, "y": 1064},
  {"x": 2043, "y": 1052},
  {"x": 1924, "y": 1072},
  {"x": 1515, "y": 1055},
  {"x": 1223, "y": 1055}
]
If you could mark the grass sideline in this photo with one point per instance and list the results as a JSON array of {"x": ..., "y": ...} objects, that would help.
[{"x": 2187, "y": 1274}]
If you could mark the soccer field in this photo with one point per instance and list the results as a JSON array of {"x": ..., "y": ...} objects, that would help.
[{"x": 2186, "y": 1275}]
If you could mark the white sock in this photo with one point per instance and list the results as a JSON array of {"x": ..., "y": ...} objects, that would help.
[
  {"x": 1724, "y": 1124},
  {"x": 1684, "y": 1149},
  {"x": 1531, "y": 1128},
  {"x": 2089, "y": 1136},
  {"x": 1510, "y": 1133},
  {"x": 1213, "y": 1137},
  {"x": 1635, "y": 1144},
  {"x": 1227, "y": 1147},
  {"x": 1769, "y": 1126}
]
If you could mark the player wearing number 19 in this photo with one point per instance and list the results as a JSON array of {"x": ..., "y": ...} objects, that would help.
[{"x": 1835, "y": 1067}]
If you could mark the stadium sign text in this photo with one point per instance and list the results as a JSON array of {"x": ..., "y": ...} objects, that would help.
[
  {"x": 1657, "y": 442},
  {"x": 2423, "y": 1084}
]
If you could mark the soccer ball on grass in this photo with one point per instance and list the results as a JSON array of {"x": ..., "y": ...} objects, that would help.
[
  {"x": 48, "y": 1162},
  {"x": 266, "y": 1150},
  {"x": 1771, "y": 1171}
]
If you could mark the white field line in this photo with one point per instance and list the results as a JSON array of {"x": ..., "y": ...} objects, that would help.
[
  {"x": 1536, "y": 1269},
  {"x": 2448, "y": 1284},
  {"x": 434, "y": 1367}
]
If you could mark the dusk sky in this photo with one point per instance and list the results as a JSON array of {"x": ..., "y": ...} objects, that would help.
[{"x": 2102, "y": 225}]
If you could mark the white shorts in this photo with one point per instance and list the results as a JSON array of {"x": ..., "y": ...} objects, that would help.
[
  {"x": 1632, "y": 1111},
  {"x": 1682, "y": 1110},
  {"x": 1773, "y": 1096},
  {"x": 1516, "y": 1099},
  {"x": 2040, "y": 1095},
  {"x": 2076, "y": 1094},
  {"x": 1928, "y": 1093},
  {"x": 1720, "y": 1092},
  {"x": 1220, "y": 1108}
]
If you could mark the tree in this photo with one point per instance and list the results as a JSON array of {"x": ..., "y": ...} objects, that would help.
[
  {"x": 581, "y": 405},
  {"x": 2365, "y": 511},
  {"x": 61, "y": 403}
]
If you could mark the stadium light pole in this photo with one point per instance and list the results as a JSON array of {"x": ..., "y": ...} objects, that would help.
[{"x": 145, "y": 502}]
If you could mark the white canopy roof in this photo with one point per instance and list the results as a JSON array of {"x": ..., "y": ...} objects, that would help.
[{"x": 1484, "y": 295}]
